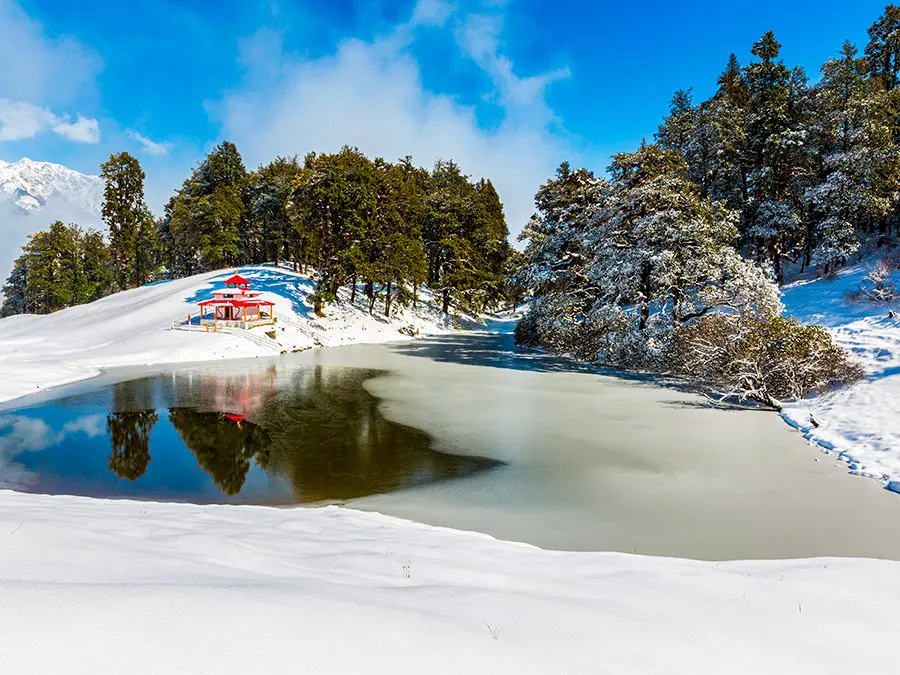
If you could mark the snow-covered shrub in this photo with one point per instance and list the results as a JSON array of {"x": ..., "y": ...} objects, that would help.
[
  {"x": 766, "y": 360},
  {"x": 607, "y": 336},
  {"x": 554, "y": 321},
  {"x": 877, "y": 287}
]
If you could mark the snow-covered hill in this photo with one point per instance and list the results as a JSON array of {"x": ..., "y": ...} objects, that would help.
[
  {"x": 135, "y": 327},
  {"x": 860, "y": 424},
  {"x": 31, "y": 185}
]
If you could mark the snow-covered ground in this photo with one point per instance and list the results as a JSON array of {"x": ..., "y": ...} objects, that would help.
[
  {"x": 91, "y": 586},
  {"x": 861, "y": 423},
  {"x": 135, "y": 328},
  {"x": 107, "y": 586}
]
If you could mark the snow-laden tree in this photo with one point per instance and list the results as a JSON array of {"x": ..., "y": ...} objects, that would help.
[
  {"x": 854, "y": 128},
  {"x": 555, "y": 257},
  {"x": 663, "y": 253},
  {"x": 762, "y": 360},
  {"x": 555, "y": 234},
  {"x": 644, "y": 254},
  {"x": 777, "y": 152}
]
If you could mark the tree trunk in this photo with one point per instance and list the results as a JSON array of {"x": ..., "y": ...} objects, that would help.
[
  {"x": 775, "y": 250},
  {"x": 353, "y": 291},
  {"x": 369, "y": 290},
  {"x": 387, "y": 300},
  {"x": 446, "y": 301}
]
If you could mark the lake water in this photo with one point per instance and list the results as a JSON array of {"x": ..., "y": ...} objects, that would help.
[
  {"x": 277, "y": 434},
  {"x": 462, "y": 431}
]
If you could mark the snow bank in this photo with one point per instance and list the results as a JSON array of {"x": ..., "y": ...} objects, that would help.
[
  {"x": 135, "y": 328},
  {"x": 860, "y": 424},
  {"x": 92, "y": 586}
]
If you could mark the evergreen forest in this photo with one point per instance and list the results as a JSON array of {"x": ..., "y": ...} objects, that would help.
[{"x": 384, "y": 229}]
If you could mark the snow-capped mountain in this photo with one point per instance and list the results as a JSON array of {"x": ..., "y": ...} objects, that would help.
[
  {"x": 31, "y": 185},
  {"x": 34, "y": 194}
]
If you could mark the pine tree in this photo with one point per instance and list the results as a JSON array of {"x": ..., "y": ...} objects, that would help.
[
  {"x": 204, "y": 220},
  {"x": 332, "y": 207},
  {"x": 124, "y": 213},
  {"x": 883, "y": 51},
  {"x": 556, "y": 253},
  {"x": 857, "y": 186},
  {"x": 269, "y": 189},
  {"x": 15, "y": 292},
  {"x": 776, "y": 135},
  {"x": 618, "y": 267}
]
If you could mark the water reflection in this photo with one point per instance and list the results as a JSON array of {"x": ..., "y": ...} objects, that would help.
[
  {"x": 129, "y": 434},
  {"x": 276, "y": 435},
  {"x": 224, "y": 445}
]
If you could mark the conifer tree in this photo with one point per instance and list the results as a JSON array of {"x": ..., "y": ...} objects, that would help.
[
  {"x": 126, "y": 215},
  {"x": 776, "y": 132},
  {"x": 883, "y": 50},
  {"x": 857, "y": 187},
  {"x": 205, "y": 218},
  {"x": 268, "y": 190}
]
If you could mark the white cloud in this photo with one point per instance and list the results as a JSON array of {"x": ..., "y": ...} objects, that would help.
[
  {"x": 20, "y": 120},
  {"x": 82, "y": 130},
  {"x": 371, "y": 94},
  {"x": 150, "y": 147},
  {"x": 38, "y": 67},
  {"x": 431, "y": 13},
  {"x": 478, "y": 35}
]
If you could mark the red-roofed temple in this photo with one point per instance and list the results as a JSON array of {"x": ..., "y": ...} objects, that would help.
[{"x": 237, "y": 306}]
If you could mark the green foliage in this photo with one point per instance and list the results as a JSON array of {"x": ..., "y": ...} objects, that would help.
[
  {"x": 131, "y": 227},
  {"x": 811, "y": 170},
  {"x": 205, "y": 219},
  {"x": 354, "y": 221},
  {"x": 59, "y": 267}
]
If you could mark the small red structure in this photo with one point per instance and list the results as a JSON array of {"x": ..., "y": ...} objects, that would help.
[{"x": 237, "y": 306}]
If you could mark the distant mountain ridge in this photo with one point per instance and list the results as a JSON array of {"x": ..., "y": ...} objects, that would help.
[{"x": 31, "y": 185}]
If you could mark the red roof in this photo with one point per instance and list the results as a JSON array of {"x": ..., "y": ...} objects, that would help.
[
  {"x": 237, "y": 303},
  {"x": 237, "y": 280}
]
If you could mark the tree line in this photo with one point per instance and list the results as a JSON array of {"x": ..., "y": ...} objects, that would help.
[
  {"x": 812, "y": 170},
  {"x": 671, "y": 262},
  {"x": 378, "y": 228}
]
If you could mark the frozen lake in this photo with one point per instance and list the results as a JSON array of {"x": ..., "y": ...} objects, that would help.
[{"x": 462, "y": 431}]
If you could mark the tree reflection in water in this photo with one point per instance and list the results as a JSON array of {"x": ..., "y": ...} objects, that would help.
[
  {"x": 223, "y": 445},
  {"x": 129, "y": 434},
  {"x": 332, "y": 443},
  {"x": 315, "y": 431}
]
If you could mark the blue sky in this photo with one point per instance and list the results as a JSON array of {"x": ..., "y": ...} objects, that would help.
[{"x": 507, "y": 88}]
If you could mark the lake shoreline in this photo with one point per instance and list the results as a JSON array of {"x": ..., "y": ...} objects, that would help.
[{"x": 593, "y": 461}]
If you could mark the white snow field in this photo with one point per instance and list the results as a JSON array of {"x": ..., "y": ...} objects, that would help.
[
  {"x": 860, "y": 424},
  {"x": 93, "y": 586},
  {"x": 135, "y": 328}
]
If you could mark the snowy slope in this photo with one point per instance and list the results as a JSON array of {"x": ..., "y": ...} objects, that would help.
[
  {"x": 172, "y": 588},
  {"x": 861, "y": 424},
  {"x": 135, "y": 327},
  {"x": 31, "y": 185}
]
